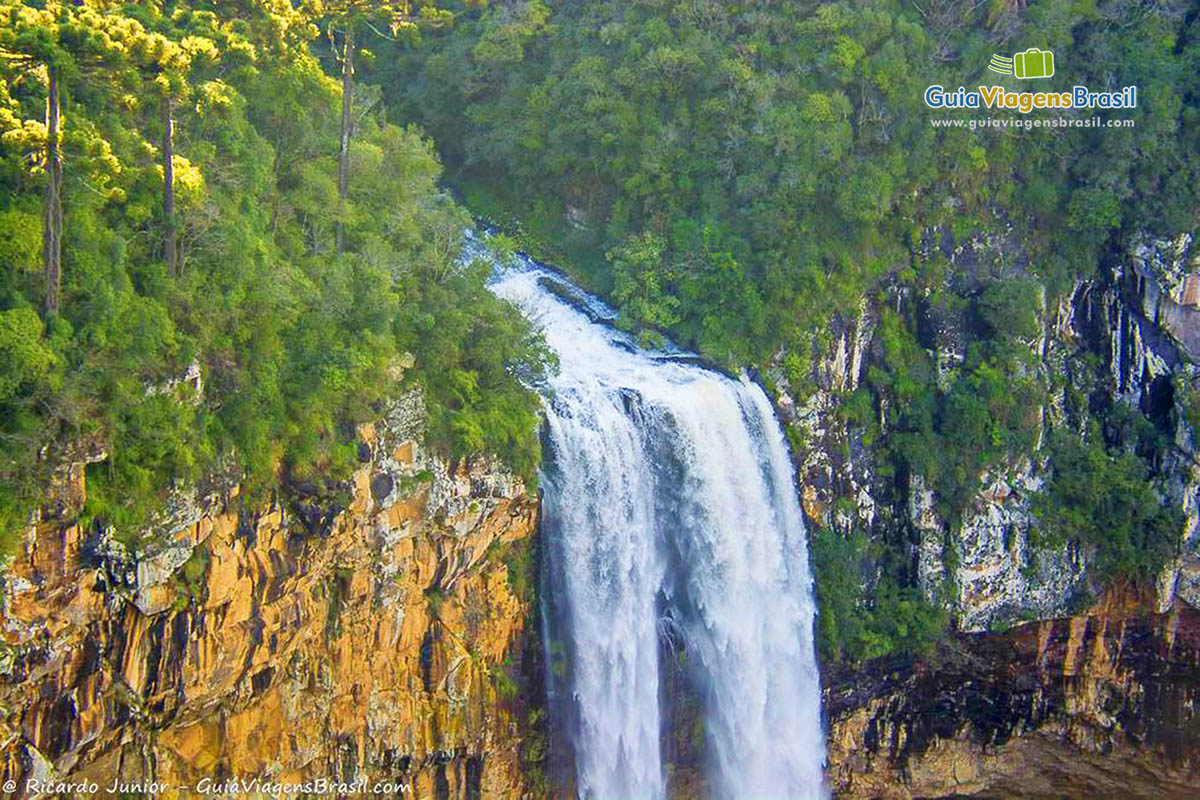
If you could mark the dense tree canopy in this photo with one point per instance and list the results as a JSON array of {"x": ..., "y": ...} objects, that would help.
[
  {"x": 775, "y": 158},
  {"x": 238, "y": 275}
]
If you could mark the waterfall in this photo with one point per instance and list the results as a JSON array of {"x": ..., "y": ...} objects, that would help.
[{"x": 669, "y": 502}]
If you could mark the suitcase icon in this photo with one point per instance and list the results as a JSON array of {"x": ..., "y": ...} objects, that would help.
[{"x": 1033, "y": 63}]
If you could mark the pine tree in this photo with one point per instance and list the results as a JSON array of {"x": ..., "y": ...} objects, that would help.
[
  {"x": 29, "y": 40},
  {"x": 344, "y": 20}
]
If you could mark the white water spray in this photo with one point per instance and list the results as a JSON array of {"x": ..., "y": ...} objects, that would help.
[{"x": 668, "y": 488}]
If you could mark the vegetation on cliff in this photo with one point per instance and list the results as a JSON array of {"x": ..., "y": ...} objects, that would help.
[
  {"x": 748, "y": 168},
  {"x": 1100, "y": 496},
  {"x": 188, "y": 279},
  {"x": 851, "y": 628}
]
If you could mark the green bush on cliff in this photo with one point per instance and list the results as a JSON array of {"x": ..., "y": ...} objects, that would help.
[
  {"x": 853, "y": 626},
  {"x": 1101, "y": 498},
  {"x": 985, "y": 412}
]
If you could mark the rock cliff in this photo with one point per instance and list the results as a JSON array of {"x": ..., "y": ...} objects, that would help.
[
  {"x": 1042, "y": 690},
  {"x": 376, "y": 640},
  {"x": 1102, "y": 704},
  {"x": 1127, "y": 321}
]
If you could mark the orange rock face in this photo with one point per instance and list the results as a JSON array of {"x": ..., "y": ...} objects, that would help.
[
  {"x": 379, "y": 642},
  {"x": 1103, "y": 704}
]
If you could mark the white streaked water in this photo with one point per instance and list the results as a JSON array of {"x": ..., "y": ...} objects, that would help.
[{"x": 668, "y": 491}]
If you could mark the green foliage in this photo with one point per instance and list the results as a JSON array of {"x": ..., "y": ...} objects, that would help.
[
  {"x": 982, "y": 412},
  {"x": 435, "y": 597},
  {"x": 195, "y": 568},
  {"x": 1008, "y": 310},
  {"x": 1101, "y": 498},
  {"x": 295, "y": 343},
  {"x": 1189, "y": 400},
  {"x": 854, "y": 625},
  {"x": 189, "y": 580},
  {"x": 750, "y": 168},
  {"x": 476, "y": 356},
  {"x": 338, "y": 588},
  {"x": 518, "y": 560},
  {"x": 26, "y": 360},
  {"x": 638, "y": 284},
  {"x": 507, "y": 687},
  {"x": 535, "y": 752}
]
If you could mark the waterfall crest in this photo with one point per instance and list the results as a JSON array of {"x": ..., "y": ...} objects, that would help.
[{"x": 668, "y": 492}]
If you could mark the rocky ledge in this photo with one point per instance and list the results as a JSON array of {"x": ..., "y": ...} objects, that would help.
[{"x": 380, "y": 640}]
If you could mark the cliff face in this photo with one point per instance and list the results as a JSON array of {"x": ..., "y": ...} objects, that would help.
[
  {"x": 379, "y": 642},
  {"x": 1128, "y": 322},
  {"x": 1071, "y": 703},
  {"x": 1102, "y": 704}
]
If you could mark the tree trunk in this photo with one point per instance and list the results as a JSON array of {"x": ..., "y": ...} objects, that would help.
[
  {"x": 52, "y": 214},
  {"x": 169, "y": 185},
  {"x": 347, "y": 124}
]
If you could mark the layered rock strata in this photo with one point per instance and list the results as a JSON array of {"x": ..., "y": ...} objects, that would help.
[
  {"x": 1103, "y": 704},
  {"x": 374, "y": 640}
]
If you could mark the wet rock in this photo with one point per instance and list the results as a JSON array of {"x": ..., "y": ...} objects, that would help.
[{"x": 1099, "y": 705}]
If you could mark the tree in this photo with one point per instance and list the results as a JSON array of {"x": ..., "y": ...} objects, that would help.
[
  {"x": 69, "y": 43},
  {"x": 52, "y": 213},
  {"x": 168, "y": 156},
  {"x": 640, "y": 282},
  {"x": 169, "y": 63},
  {"x": 344, "y": 19},
  {"x": 29, "y": 40},
  {"x": 1103, "y": 499}
]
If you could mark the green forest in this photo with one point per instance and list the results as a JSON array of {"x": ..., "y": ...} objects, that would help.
[
  {"x": 176, "y": 192},
  {"x": 254, "y": 187},
  {"x": 735, "y": 172}
]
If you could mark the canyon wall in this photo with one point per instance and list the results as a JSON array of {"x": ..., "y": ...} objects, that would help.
[
  {"x": 1103, "y": 704},
  {"x": 1050, "y": 685},
  {"x": 377, "y": 639}
]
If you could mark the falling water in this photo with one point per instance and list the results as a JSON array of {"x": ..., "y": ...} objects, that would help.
[{"x": 668, "y": 494}]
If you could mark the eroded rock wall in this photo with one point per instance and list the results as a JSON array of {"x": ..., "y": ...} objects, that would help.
[
  {"x": 1103, "y": 705},
  {"x": 1125, "y": 321},
  {"x": 377, "y": 641}
]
